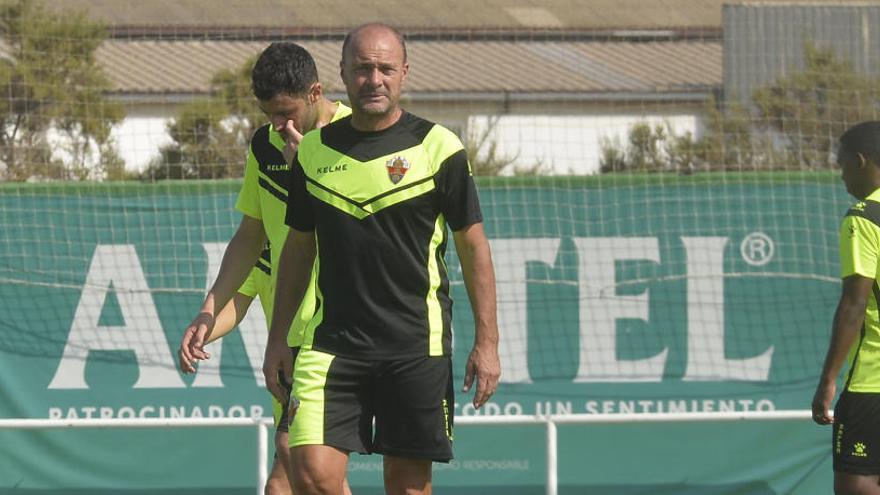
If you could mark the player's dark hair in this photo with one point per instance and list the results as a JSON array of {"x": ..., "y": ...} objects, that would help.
[
  {"x": 863, "y": 138},
  {"x": 396, "y": 33},
  {"x": 283, "y": 68}
]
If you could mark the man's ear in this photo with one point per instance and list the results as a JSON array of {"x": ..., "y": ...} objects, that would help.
[
  {"x": 315, "y": 93},
  {"x": 863, "y": 162}
]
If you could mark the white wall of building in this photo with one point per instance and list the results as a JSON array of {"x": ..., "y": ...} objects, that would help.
[
  {"x": 563, "y": 144},
  {"x": 140, "y": 135},
  {"x": 566, "y": 144}
]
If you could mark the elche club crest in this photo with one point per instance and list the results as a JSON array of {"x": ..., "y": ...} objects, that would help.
[{"x": 397, "y": 168}]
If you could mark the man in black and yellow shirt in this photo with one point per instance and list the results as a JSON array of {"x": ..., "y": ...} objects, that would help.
[
  {"x": 856, "y": 328},
  {"x": 371, "y": 196},
  {"x": 285, "y": 83}
]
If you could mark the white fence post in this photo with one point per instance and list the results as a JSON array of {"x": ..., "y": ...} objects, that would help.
[
  {"x": 552, "y": 462},
  {"x": 262, "y": 456}
]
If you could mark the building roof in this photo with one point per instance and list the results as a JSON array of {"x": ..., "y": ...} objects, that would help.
[
  {"x": 141, "y": 67},
  {"x": 413, "y": 14},
  {"x": 237, "y": 18}
]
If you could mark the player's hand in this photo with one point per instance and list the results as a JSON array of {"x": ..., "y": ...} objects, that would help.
[
  {"x": 484, "y": 366},
  {"x": 192, "y": 345},
  {"x": 822, "y": 403},
  {"x": 277, "y": 363},
  {"x": 184, "y": 356},
  {"x": 292, "y": 138}
]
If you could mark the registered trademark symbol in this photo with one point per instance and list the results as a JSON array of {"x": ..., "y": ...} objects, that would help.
[{"x": 757, "y": 249}]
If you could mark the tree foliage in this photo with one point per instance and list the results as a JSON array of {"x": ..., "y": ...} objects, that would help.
[
  {"x": 210, "y": 136},
  {"x": 52, "y": 87},
  {"x": 812, "y": 107},
  {"x": 791, "y": 123},
  {"x": 486, "y": 157}
]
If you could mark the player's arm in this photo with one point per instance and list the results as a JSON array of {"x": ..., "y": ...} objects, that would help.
[
  {"x": 230, "y": 316},
  {"x": 294, "y": 272},
  {"x": 483, "y": 363},
  {"x": 239, "y": 258},
  {"x": 461, "y": 207},
  {"x": 848, "y": 320}
]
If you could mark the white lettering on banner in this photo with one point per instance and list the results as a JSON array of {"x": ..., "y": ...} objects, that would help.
[
  {"x": 706, "y": 360},
  {"x": 635, "y": 406},
  {"x": 601, "y": 308},
  {"x": 117, "y": 266},
  {"x": 254, "y": 332},
  {"x": 208, "y": 371},
  {"x": 252, "y": 328},
  {"x": 375, "y": 466},
  {"x": 615, "y": 406},
  {"x": 156, "y": 411},
  {"x": 511, "y": 257}
]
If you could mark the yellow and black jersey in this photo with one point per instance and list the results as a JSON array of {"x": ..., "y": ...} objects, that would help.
[
  {"x": 263, "y": 196},
  {"x": 259, "y": 282},
  {"x": 860, "y": 255},
  {"x": 379, "y": 203}
]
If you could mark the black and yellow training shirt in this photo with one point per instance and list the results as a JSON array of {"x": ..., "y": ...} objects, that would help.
[
  {"x": 379, "y": 203},
  {"x": 860, "y": 255}
]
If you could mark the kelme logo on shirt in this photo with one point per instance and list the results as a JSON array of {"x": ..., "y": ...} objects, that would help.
[
  {"x": 860, "y": 450},
  {"x": 397, "y": 168},
  {"x": 277, "y": 167},
  {"x": 329, "y": 169}
]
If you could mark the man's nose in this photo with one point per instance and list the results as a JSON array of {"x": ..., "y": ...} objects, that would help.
[{"x": 375, "y": 77}]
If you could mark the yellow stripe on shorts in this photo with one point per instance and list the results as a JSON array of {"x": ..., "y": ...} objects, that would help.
[{"x": 309, "y": 380}]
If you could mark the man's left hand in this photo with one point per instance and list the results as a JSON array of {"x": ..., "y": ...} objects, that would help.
[{"x": 484, "y": 365}]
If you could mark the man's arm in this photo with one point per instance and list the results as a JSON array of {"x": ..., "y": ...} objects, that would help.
[
  {"x": 848, "y": 320},
  {"x": 294, "y": 273},
  {"x": 239, "y": 258},
  {"x": 230, "y": 316},
  {"x": 479, "y": 279}
]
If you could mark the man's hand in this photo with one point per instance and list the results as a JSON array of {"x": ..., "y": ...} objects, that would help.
[
  {"x": 277, "y": 363},
  {"x": 822, "y": 403},
  {"x": 292, "y": 138},
  {"x": 192, "y": 345},
  {"x": 483, "y": 363}
]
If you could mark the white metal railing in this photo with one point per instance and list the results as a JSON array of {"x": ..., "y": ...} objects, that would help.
[
  {"x": 550, "y": 421},
  {"x": 261, "y": 424}
]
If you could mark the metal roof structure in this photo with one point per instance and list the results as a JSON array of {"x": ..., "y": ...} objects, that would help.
[{"x": 441, "y": 67}]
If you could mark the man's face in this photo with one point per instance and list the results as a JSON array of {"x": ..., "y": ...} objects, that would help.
[
  {"x": 852, "y": 171},
  {"x": 283, "y": 107},
  {"x": 373, "y": 71}
]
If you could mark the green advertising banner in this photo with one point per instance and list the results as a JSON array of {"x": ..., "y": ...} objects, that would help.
[{"x": 617, "y": 294}]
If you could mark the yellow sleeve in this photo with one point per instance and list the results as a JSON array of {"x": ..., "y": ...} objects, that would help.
[
  {"x": 249, "y": 196},
  {"x": 249, "y": 287},
  {"x": 859, "y": 243}
]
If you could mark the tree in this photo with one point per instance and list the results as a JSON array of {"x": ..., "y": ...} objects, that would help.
[
  {"x": 649, "y": 149},
  {"x": 793, "y": 123},
  {"x": 812, "y": 107},
  {"x": 728, "y": 139},
  {"x": 486, "y": 158},
  {"x": 209, "y": 136},
  {"x": 51, "y": 83}
]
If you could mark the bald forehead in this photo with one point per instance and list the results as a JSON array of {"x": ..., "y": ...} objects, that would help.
[{"x": 373, "y": 36}]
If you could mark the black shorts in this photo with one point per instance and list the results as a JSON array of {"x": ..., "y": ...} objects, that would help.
[
  {"x": 411, "y": 400},
  {"x": 856, "y": 440},
  {"x": 282, "y": 411}
]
